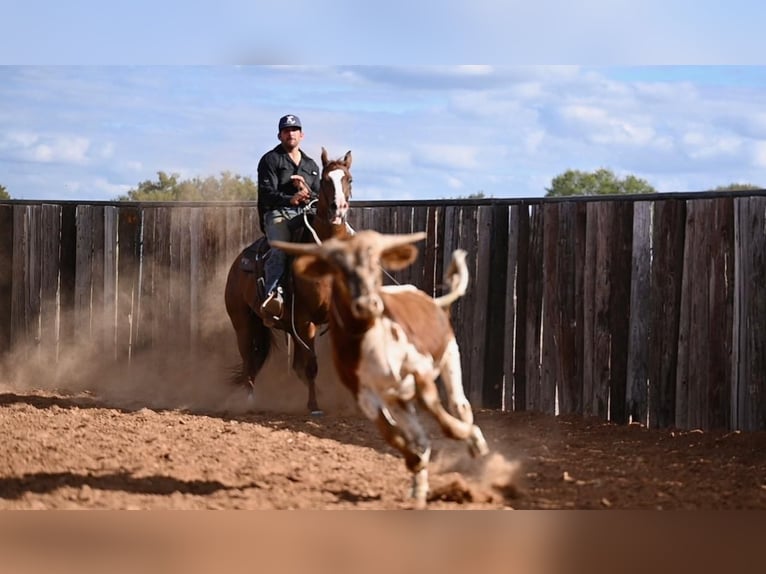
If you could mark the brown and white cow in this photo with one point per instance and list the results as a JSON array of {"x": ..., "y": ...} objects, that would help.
[{"x": 391, "y": 343}]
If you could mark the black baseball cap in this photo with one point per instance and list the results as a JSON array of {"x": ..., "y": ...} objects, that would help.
[{"x": 289, "y": 121}]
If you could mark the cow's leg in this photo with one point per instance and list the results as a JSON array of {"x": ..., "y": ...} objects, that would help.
[
  {"x": 305, "y": 362},
  {"x": 408, "y": 438},
  {"x": 452, "y": 426},
  {"x": 452, "y": 377}
]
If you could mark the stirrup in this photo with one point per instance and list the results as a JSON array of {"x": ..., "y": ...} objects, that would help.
[{"x": 273, "y": 304}]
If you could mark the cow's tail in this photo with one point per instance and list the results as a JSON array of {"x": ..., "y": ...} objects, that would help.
[{"x": 456, "y": 278}]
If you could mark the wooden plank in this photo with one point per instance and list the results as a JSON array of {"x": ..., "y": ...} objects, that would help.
[
  {"x": 143, "y": 318},
  {"x": 581, "y": 225},
  {"x": 110, "y": 281},
  {"x": 83, "y": 275},
  {"x": 68, "y": 267},
  {"x": 637, "y": 392},
  {"x": 748, "y": 406},
  {"x": 596, "y": 325},
  {"x": 620, "y": 255},
  {"x": 129, "y": 262},
  {"x": 510, "y": 318},
  {"x": 721, "y": 289},
  {"x": 211, "y": 252},
  {"x": 668, "y": 239},
  {"x": 495, "y": 332},
  {"x": 163, "y": 322},
  {"x": 522, "y": 298},
  {"x": 431, "y": 252},
  {"x": 235, "y": 238},
  {"x": 534, "y": 308},
  {"x": 18, "y": 288},
  {"x": 420, "y": 223},
  {"x": 6, "y": 275},
  {"x": 469, "y": 309},
  {"x": 354, "y": 218},
  {"x": 195, "y": 265},
  {"x": 253, "y": 230},
  {"x": 568, "y": 368},
  {"x": 683, "y": 375},
  {"x": 33, "y": 278},
  {"x": 403, "y": 225},
  {"x": 439, "y": 269},
  {"x": 479, "y": 345},
  {"x": 98, "y": 327},
  {"x": 551, "y": 311},
  {"x": 180, "y": 273},
  {"x": 49, "y": 274}
]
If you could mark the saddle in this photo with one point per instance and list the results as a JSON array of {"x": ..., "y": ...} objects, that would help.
[{"x": 255, "y": 255}]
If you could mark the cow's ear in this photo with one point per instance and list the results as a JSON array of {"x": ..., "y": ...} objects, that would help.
[
  {"x": 399, "y": 257},
  {"x": 312, "y": 266}
]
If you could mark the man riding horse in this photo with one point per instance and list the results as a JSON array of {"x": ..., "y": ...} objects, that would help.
[{"x": 288, "y": 180}]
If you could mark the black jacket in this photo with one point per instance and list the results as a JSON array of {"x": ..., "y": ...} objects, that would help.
[{"x": 274, "y": 185}]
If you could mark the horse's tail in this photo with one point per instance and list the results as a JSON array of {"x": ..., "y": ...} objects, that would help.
[{"x": 457, "y": 278}]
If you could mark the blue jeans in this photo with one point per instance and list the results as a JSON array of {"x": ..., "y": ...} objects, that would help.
[{"x": 275, "y": 223}]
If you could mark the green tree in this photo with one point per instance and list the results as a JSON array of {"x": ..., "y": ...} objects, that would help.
[
  {"x": 169, "y": 187},
  {"x": 599, "y": 182},
  {"x": 477, "y": 195},
  {"x": 738, "y": 187},
  {"x": 4, "y": 193}
]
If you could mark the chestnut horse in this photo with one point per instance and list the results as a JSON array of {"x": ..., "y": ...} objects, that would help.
[{"x": 306, "y": 301}]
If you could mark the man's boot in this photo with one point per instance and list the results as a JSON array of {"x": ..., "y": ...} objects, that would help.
[{"x": 273, "y": 303}]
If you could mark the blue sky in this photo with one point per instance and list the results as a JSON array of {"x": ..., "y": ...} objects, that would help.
[
  {"x": 96, "y": 97},
  {"x": 93, "y": 132}
]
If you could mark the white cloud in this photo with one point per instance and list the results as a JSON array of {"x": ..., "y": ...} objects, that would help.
[
  {"x": 445, "y": 156},
  {"x": 605, "y": 127},
  {"x": 700, "y": 145},
  {"x": 28, "y": 146}
]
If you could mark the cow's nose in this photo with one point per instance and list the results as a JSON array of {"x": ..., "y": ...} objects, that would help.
[{"x": 367, "y": 306}]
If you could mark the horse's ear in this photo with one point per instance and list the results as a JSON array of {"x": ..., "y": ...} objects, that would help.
[
  {"x": 398, "y": 257},
  {"x": 347, "y": 159},
  {"x": 312, "y": 266},
  {"x": 324, "y": 157}
]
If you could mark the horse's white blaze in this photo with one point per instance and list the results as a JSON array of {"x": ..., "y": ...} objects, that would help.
[{"x": 336, "y": 176}]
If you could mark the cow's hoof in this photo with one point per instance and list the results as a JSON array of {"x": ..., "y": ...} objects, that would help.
[{"x": 477, "y": 446}]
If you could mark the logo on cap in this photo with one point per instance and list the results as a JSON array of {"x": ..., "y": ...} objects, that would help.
[{"x": 289, "y": 121}]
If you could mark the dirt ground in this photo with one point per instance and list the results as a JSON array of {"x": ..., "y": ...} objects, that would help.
[{"x": 139, "y": 440}]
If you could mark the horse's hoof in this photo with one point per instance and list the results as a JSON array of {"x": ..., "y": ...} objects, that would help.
[{"x": 317, "y": 413}]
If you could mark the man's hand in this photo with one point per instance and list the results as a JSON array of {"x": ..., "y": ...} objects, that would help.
[{"x": 303, "y": 194}]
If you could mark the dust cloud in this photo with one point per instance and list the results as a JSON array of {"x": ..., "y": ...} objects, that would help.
[{"x": 171, "y": 371}]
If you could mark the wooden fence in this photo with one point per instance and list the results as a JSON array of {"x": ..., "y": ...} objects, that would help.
[{"x": 647, "y": 308}]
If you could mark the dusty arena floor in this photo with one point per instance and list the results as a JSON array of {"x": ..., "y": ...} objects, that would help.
[
  {"x": 142, "y": 439},
  {"x": 73, "y": 452}
]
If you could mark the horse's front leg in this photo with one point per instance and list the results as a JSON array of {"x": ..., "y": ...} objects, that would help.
[{"x": 305, "y": 361}]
